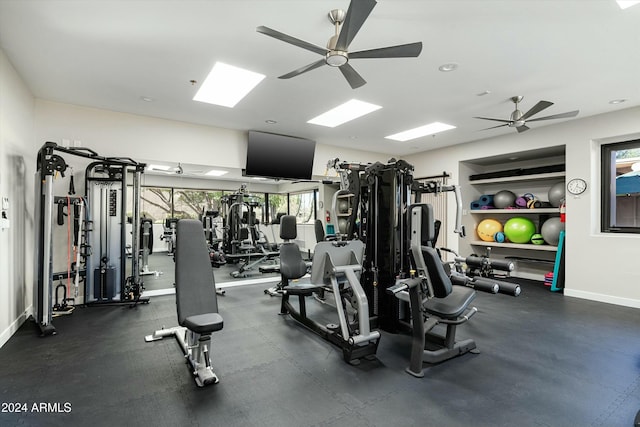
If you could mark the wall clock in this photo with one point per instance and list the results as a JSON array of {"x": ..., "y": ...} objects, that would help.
[{"x": 577, "y": 186}]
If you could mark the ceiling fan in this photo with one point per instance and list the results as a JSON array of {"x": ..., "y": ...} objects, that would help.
[
  {"x": 519, "y": 120},
  {"x": 337, "y": 54}
]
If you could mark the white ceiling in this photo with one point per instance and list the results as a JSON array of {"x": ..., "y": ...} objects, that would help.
[{"x": 109, "y": 54}]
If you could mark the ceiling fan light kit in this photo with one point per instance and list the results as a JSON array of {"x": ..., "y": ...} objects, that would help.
[{"x": 336, "y": 54}]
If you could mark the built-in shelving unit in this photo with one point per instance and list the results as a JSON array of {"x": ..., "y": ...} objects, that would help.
[{"x": 534, "y": 260}]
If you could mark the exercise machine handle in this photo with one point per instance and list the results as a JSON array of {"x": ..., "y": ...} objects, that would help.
[{"x": 404, "y": 285}]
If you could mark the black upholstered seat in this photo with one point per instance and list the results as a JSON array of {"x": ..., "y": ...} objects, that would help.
[
  {"x": 204, "y": 323},
  {"x": 451, "y": 301},
  {"x": 195, "y": 285}
]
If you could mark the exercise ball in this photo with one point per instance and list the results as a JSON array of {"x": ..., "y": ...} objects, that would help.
[
  {"x": 551, "y": 230},
  {"x": 519, "y": 230},
  {"x": 342, "y": 226},
  {"x": 487, "y": 229},
  {"x": 499, "y": 237},
  {"x": 556, "y": 194},
  {"x": 537, "y": 239},
  {"x": 504, "y": 199}
]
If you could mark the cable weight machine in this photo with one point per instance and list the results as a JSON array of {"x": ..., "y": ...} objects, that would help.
[{"x": 102, "y": 233}]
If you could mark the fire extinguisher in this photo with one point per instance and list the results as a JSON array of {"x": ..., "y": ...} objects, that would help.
[
  {"x": 328, "y": 217},
  {"x": 563, "y": 211}
]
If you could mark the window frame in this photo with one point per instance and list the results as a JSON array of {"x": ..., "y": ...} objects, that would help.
[{"x": 608, "y": 186}]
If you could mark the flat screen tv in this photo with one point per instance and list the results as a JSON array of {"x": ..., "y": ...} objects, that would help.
[{"x": 279, "y": 156}]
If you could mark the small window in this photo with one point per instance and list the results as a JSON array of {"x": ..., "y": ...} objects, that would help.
[{"x": 621, "y": 187}]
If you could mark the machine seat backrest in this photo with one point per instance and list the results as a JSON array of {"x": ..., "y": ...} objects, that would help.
[
  {"x": 438, "y": 277},
  {"x": 319, "y": 230},
  {"x": 288, "y": 228},
  {"x": 195, "y": 284},
  {"x": 292, "y": 266}
]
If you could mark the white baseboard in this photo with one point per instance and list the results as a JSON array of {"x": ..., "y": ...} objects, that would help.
[
  {"x": 13, "y": 327},
  {"x": 593, "y": 296}
]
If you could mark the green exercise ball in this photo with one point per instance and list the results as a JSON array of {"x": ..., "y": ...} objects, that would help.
[{"x": 519, "y": 229}]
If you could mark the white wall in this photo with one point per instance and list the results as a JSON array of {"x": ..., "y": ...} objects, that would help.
[
  {"x": 599, "y": 266},
  {"x": 139, "y": 137},
  {"x": 17, "y": 168}
]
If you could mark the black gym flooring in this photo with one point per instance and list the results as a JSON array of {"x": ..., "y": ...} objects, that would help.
[{"x": 546, "y": 360}]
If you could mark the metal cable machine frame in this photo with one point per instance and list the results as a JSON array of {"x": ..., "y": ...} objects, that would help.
[
  {"x": 48, "y": 165},
  {"x": 382, "y": 196}
]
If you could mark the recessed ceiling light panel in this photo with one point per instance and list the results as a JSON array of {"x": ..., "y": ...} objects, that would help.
[
  {"x": 226, "y": 85},
  {"x": 214, "y": 172},
  {"x": 627, "y": 3},
  {"x": 343, "y": 113},
  {"x": 418, "y": 132},
  {"x": 158, "y": 167}
]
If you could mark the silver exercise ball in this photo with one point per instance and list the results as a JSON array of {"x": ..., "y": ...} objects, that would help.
[
  {"x": 504, "y": 199},
  {"x": 556, "y": 194},
  {"x": 551, "y": 230}
]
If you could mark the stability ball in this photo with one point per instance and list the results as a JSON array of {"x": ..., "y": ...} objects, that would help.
[
  {"x": 551, "y": 230},
  {"x": 504, "y": 199},
  {"x": 519, "y": 230},
  {"x": 487, "y": 229},
  {"x": 556, "y": 194}
]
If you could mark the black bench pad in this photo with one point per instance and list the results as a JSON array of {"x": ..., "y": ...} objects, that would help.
[
  {"x": 305, "y": 289},
  {"x": 453, "y": 305},
  {"x": 204, "y": 323}
]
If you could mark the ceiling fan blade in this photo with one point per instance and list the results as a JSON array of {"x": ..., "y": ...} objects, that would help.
[
  {"x": 493, "y": 127},
  {"x": 355, "y": 80},
  {"x": 292, "y": 40},
  {"x": 522, "y": 128},
  {"x": 541, "y": 105},
  {"x": 410, "y": 50},
  {"x": 357, "y": 13},
  {"x": 495, "y": 120},
  {"x": 557, "y": 116},
  {"x": 304, "y": 69}
]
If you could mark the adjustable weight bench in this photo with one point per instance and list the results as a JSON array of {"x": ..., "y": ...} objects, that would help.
[{"x": 196, "y": 301}]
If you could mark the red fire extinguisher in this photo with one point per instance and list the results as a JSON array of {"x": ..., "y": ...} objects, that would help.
[
  {"x": 563, "y": 211},
  {"x": 328, "y": 217}
]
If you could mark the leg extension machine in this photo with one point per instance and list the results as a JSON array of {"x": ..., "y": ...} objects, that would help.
[{"x": 433, "y": 299}]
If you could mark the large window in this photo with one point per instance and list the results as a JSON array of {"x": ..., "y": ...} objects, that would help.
[
  {"x": 192, "y": 203},
  {"x": 278, "y": 205},
  {"x": 303, "y": 206},
  {"x": 621, "y": 187},
  {"x": 159, "y": 203},
  {"x": 156, "y": 203}
]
